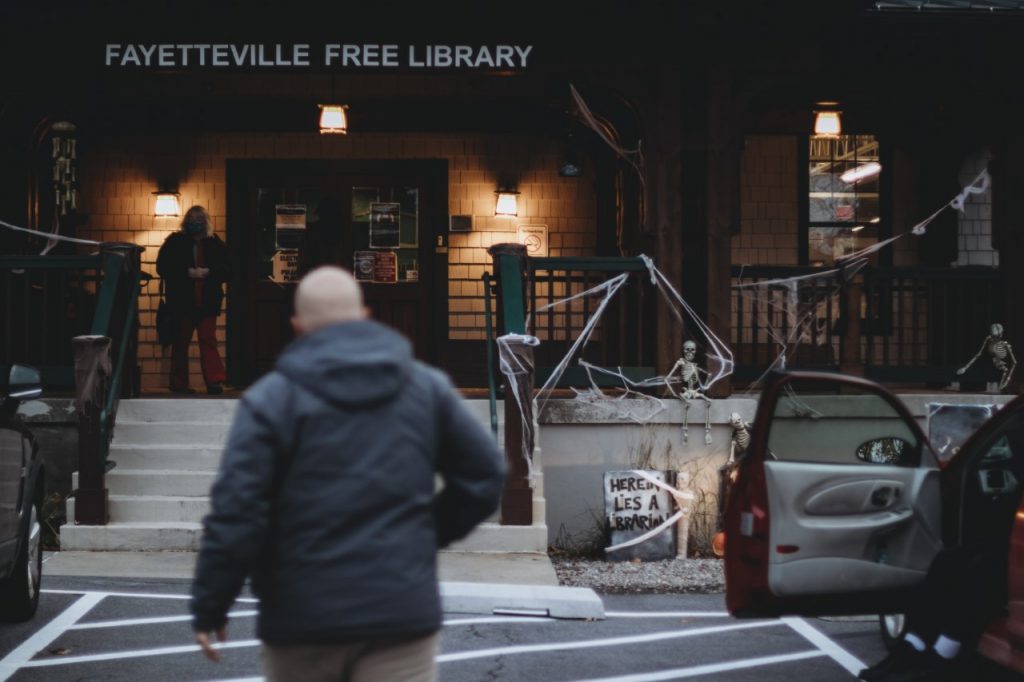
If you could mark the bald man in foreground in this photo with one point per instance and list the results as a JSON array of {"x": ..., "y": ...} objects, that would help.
[{"x": 326, "y": 499}]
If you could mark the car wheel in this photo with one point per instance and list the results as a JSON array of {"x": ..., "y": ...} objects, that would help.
[
  {"x": 892, "y": 625},
  {"x": 19, "y": 592}
]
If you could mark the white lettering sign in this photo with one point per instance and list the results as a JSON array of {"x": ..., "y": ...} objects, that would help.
[{"x": 337, "y": 55}]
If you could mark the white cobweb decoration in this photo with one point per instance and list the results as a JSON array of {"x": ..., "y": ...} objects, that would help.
[
  {"x": 630, "y": 399},
  {"x": 794, "y": 311}
]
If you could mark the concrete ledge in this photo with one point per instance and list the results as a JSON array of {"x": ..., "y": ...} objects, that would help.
[
  {"x": 579, "y": 412},
  {"x": 517, "y": 568},
  {"x": 555, "y": 602},
  {"x": 120, "y": 538},
  {"x": 162, "y": 565},
  {"x": 493, "y": 537}
]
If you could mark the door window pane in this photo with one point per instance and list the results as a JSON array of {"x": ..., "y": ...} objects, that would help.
[
  {"x": 815, "y": 422},
  {"x": 385, "y": 231}
]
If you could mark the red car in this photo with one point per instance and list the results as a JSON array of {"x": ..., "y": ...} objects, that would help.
[{"x": 840, "y": 504}]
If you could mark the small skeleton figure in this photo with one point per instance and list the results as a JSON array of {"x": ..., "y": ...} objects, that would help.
[
  {"x": 691, "y": 375},
  {"x": 740, "y": 436},
  {"x": 1002, "y": 356}
]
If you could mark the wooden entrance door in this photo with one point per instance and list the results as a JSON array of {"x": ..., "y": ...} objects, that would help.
[{"x": 380, "y": 220}]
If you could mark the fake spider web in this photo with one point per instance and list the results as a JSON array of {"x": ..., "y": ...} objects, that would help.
[
  {"x": 630, "y": 399},
  {"x": 797, "y": 313},
  {"x": 794, "y": 313}
]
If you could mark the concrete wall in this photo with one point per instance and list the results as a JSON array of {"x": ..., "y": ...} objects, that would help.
[{"x": 580, "y": 441}]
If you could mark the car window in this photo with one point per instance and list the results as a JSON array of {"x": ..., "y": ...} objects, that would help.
[
  {"x": 993, "y": 483},
  {"x": 815, "y": 422},
  {"x": 950, "y": 425}
]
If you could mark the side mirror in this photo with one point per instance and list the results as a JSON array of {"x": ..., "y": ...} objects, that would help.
[
  {"x": 885, "y": 450},
  {"x": 22, "y": 383}
]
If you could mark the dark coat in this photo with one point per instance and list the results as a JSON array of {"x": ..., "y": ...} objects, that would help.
[
  {"x": 172, "y": 264},
  {"x": 326, "y": 492}
]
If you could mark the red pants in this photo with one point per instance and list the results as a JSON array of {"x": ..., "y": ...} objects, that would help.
[{"x": 213, "y": 368}]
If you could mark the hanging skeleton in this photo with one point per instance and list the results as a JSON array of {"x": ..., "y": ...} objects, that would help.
[
  {"x": 740, "y": 436},
  {"x": 727, "y": 475},
  {"x": 1001, "y": 353},
  {"x": 690, "y": 375}
]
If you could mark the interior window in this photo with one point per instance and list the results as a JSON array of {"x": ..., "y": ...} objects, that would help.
[
  {"x": 843, "y": 199},
  {"x": 818, "y": 423}
]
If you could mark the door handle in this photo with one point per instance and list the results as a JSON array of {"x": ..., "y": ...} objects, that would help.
[{"x": 880, "y": 497}]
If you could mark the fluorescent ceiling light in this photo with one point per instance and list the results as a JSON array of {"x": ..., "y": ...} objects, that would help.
[{"x": 862, "y": 172}]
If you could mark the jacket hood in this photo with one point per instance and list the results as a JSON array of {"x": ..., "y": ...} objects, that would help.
[{"x": 349, "y": 364}]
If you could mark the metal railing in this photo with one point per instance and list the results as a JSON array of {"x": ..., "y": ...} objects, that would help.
[
  {"x": 806, "y": 320},
  {"x": 625, "y": 334},
  {"x": 53, "y": 302},
  {"x": 47, "y": 300},
  {"x": 915, "y": 325},
  {"x": 921, "y": 324},
  {"x": 624, "y": 337}
]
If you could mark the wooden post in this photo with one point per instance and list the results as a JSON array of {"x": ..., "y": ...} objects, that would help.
[
  {"x": 517, "y": 497},
  {"x": 92, "y": 376}
]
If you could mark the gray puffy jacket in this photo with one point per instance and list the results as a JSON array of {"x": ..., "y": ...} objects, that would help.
[{"x": 326, "y": 492}]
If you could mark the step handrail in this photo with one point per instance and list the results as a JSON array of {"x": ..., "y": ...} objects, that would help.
[{"x": 116, "y": 311}]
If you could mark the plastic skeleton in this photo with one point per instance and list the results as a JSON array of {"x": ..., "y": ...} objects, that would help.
[
  {"x": 740, "y": 436},
  {"x": 691, "y": 375},
  {"x": 1001, "y": 352}
]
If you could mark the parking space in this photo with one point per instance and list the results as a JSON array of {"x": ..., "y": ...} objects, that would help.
[{"x": 94, "y": 629}]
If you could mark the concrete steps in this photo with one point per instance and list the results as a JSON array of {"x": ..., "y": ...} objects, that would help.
[{"x": 167, "y": 453}]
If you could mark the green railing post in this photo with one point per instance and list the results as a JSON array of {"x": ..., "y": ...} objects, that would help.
[
  {"x": 489, "y": 335},
  {"x": 510, "y": 273}
]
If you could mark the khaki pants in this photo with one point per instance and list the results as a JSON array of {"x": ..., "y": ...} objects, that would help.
[{"x": 384, "y": 660}]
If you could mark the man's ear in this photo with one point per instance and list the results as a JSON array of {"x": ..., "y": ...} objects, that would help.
[
  {"x": 365, "y": 313},
  {"x": 297, "y": 326}
]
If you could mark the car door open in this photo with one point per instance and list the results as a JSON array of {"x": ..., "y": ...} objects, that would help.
[{"x": 836, "y": 508}]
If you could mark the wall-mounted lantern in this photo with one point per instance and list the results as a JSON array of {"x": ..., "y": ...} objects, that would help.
[
  {"x": 506, "y": 205},
  {"x": 166, "y": 205}
]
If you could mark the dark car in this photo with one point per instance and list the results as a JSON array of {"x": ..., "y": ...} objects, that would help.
[
  {"x": 841, "y": 503},
  {"x": 21, "y": 495}
]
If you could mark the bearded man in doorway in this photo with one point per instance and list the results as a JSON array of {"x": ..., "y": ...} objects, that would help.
[{"x": 193, "y": 263}]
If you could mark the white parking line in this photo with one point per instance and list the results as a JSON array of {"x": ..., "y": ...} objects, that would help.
[
  {"x": 142, "y": 595},
  {"x": 710, "y": 668},
  {"x": 138, "y": 653},
  {"x": 592, "y": 643},
  {"x": 837, "y": 653},
  {"x": 22, "y": 655},
  {"x": 92, "y": 625},
  {"x": 497, "y": 619},
  {"x": 666, "y": 614}
]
